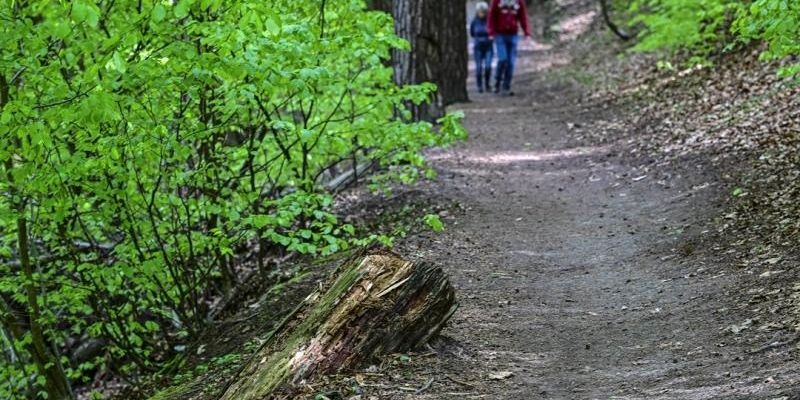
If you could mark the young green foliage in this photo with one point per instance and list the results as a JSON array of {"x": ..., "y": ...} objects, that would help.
[
  {"x": 706, "y": 26},
  {"x": 777, "y": 22},
  {"x": 680, "y": 24},
  {"x": 147, "y": 144},
  {"x": 434, "y": 222}
]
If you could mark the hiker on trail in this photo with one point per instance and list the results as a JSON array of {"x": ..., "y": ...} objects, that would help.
[
  {"x": 505, "y": 19},
  {"x": 482, "y": 46}
]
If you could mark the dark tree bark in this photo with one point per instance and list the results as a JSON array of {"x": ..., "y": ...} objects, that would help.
[
  {"x": 381, "y": 5},
  {"x": 375, "y": 303},
  {"x": 436, "y": 30},
  {"x": 454, "y": 61}
]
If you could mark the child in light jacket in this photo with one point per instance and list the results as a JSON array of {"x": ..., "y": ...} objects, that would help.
[{"x": 482, "y": 46}]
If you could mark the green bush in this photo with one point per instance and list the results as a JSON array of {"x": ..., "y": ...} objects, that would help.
[
  {"x": 680, "y": 24},
  {"x": 147, "y": 143},
  {"x": 706, "y": 26},
  {"x": 778, "y": 23}
]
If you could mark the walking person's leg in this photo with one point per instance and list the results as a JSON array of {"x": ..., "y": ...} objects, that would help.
[
  {"x": 487, "y": 67},
  {"x": 502, "y": 61},
  {"x": 512, "y": 42},
  {"x": 479, "y": 62}
]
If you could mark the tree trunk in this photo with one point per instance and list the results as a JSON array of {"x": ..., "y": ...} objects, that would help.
[
  {"x": 48, "y": 365},
  {"x": 374, "y": 304},
  {"x": 622, "y": 34},
  {"x": 542, "y": 18},
  {"x": 436, "y": 30},
  {"x": 380, "y": 5}
]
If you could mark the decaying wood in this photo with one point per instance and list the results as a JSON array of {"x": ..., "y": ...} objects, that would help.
[{"x": 375, "y": 303}]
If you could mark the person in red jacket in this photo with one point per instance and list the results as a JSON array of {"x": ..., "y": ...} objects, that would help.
[{"x": 505, "y": 19}]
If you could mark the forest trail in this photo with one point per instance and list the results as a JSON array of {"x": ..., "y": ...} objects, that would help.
[{"x": 575, "y": 274}]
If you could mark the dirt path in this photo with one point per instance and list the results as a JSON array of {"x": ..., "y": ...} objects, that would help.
[{"x": 576, "y": 272}]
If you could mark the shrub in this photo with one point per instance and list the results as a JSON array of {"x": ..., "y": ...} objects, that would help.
[
  {"x": 681, "y": 24},
  {"x": 703, "y": 26},
  {"x": 147, "y": 143},
  {"x": 777, "y": 22}
]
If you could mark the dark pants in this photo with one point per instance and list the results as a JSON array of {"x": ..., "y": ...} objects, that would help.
[
  {"x": 484, "y": 53},
  {"x": 506, "y": 59}
]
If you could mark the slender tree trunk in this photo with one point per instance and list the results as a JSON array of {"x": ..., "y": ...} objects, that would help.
[
  {"x": 622, "y": 34},
  {"x": 47, "y": 364}
]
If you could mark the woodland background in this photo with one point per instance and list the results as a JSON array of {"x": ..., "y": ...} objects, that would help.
[{"x": 156, "y": 155}]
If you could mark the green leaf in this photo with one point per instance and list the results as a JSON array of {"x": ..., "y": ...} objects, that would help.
[
  {"x": 117, "y": 63},
  {"x": 272, "y": 27},
  {"x": 434, "y": 222},
  {"x": 159, "y": 12},
  {"x": 183, "y": 7}
]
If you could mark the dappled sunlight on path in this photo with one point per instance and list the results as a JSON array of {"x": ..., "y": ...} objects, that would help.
[{"x": 509, "y": 157}]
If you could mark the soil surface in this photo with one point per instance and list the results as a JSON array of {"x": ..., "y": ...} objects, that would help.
[
  {"x": 580, "y": 275},
  {"x": 585, "y": 268}
]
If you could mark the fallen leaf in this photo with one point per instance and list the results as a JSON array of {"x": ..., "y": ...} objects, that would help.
[
  {"x": 735, "y": 329},
  {"x": 499, "y": 376},
  {"x": 770, "y": 273},
  {"x": 773, "y": 260}
]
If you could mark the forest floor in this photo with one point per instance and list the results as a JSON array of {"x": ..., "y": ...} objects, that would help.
[
  {"x": 598, "y": 250},
  {"x": 589, "y": 267}
]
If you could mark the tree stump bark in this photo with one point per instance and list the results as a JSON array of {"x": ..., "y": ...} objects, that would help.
[{"x": 374, "y": 304}]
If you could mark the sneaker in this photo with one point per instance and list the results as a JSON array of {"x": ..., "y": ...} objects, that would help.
[{"x": 505, "y": 93}]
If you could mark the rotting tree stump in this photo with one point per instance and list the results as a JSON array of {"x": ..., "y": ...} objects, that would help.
[{"x": 375, "y": 303}]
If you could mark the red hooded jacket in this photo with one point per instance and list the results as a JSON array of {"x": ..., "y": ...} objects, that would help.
[{"x": 506, "y": 20}]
